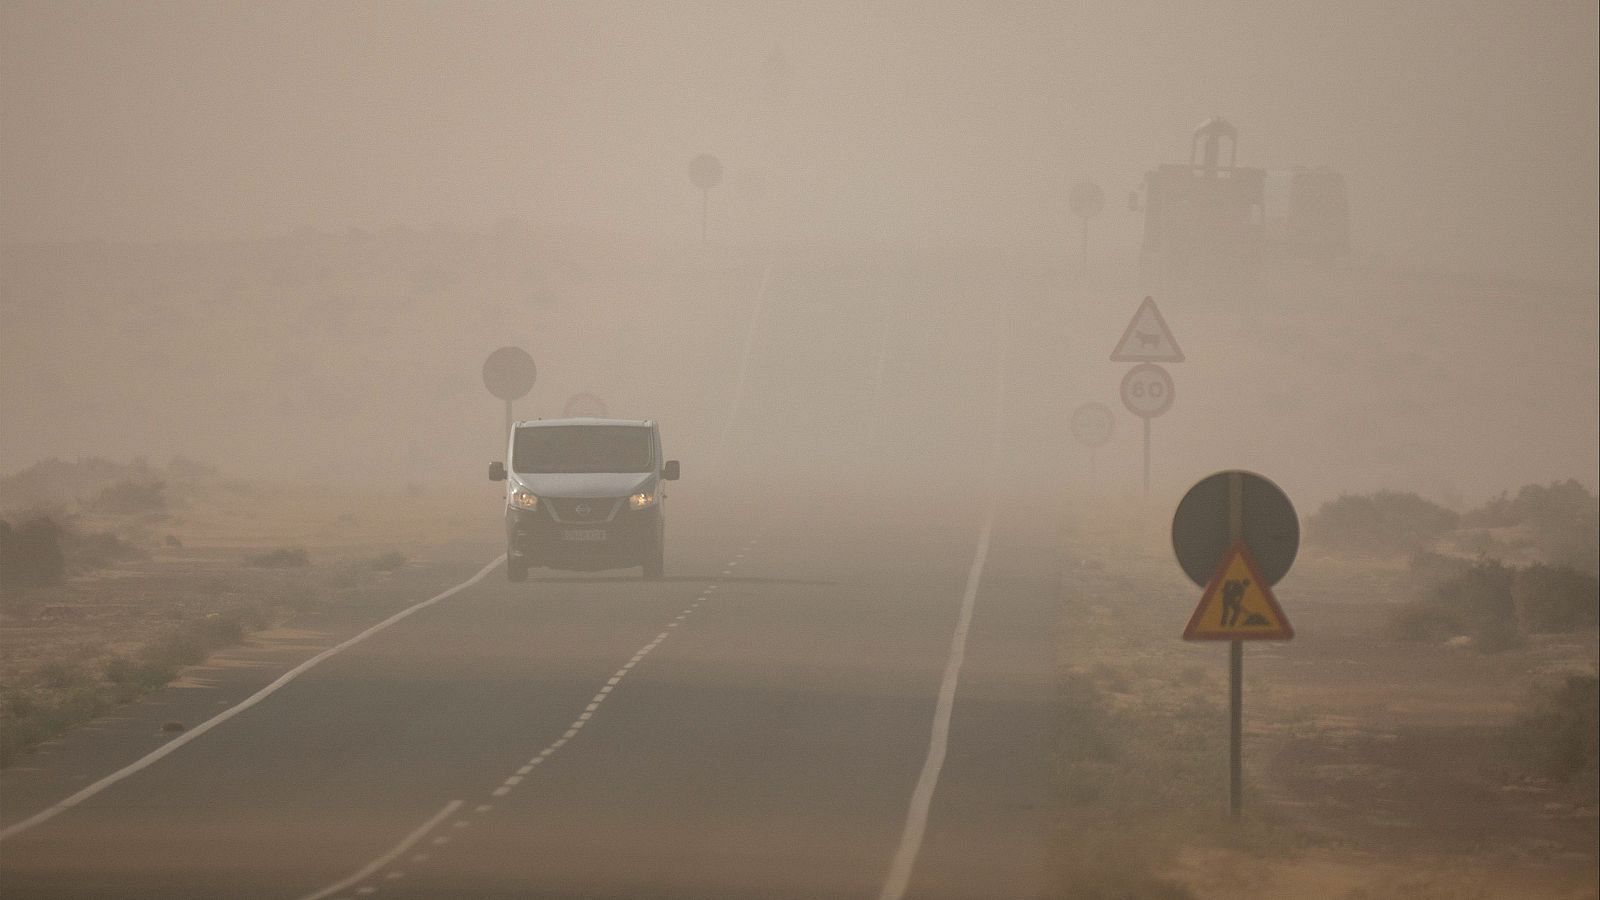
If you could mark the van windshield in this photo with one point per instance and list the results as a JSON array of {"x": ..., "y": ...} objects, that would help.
[{"x": 582, "y": 448}]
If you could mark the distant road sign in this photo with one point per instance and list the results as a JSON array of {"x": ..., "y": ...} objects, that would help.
[
  {"x": 1238, "y": 604},
  {"x": 1093, "y": 424},
  {"x": 585, "y": 405},
  {"x": 1233, "y": 506},
  {"x": 1147, "y": 391},
  {"x": 509, "y": 373},
  {"x": 1147, "y": 338},
  {"x": 1086, "y": 199},
  {"x": 705, "y": 171}
]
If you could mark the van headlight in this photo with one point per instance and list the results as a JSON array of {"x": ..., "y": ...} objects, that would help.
[
  {"x": 524, "y": 500},
  {"x": 642, "y": 500}
]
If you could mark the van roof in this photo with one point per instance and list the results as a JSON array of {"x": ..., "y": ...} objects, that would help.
[{"x": 585, "y": 420}]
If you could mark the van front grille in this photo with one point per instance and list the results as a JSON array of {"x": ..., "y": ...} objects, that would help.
[{"x": 588, "y": 509}]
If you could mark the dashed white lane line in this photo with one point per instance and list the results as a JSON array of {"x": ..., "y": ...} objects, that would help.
[
  {"x": 510, "y": 782},
  {"x": 241, "y": 706},
  {"x": 394, "y": 853}
]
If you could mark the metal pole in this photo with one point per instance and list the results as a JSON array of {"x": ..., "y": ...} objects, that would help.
[
  {"x": 1235, "y": 665},
  {"x": 508, "y": 421},
  {"x": 705, "y": 211},
  {"x": 1235, "y": 728},
  {"x": 1147, "y": 457}
]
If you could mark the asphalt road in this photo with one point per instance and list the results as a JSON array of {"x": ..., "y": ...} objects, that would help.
[{"x": 762, "y": 723}]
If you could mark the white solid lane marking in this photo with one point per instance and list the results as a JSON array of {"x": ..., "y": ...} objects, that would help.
[
  {"x": 905, "y": 858},
  {"x": 393, "y": 854},
  {"x": 225, "y": 715}
]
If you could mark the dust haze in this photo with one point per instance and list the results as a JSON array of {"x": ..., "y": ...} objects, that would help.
[{"x": 284, "y": 237}]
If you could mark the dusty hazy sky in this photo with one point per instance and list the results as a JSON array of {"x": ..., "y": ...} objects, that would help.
[{"x": 1467, "y": 130}]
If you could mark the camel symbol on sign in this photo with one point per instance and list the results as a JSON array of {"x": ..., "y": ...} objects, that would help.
[{"x": 1147, "y": 338}]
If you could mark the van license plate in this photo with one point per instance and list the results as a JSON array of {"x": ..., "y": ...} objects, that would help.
[{"x": 583, "y": 534}]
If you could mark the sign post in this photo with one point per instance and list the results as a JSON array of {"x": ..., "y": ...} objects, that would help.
[
  {"x": 1147, "y": 392},
  {"x": 509, "y": 374},
  {"x": 1243, "y": 531},
  {"x": 1147, "y": 389},
  {"x": 1093, "y": 425},
  {"x": 705, "y": 171},
  {"x": 1086, "y": 200}
]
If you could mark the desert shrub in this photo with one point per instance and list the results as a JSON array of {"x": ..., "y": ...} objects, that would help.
[
  {"x": 86, "y": 552},
  {"x": 281, "y": 558},
  {"x": 1563, "y": 517},
  {"x": 53, "y": 482},
  {"x": 1554, "y": 599},
  {"x": 131, "y": 497},
  {"x": 1560, "y": 736},
  {"x": 388, "y": 562},
  {"x": 1476, "y": 601},
  {"x": 30, "y": 555},
  {"x": 1384, "y": 522}
]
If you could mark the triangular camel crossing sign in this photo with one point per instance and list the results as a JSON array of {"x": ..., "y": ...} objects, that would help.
[
  {"x": 1238, "y": 604},
  {"x": 1147, "y": 339}
]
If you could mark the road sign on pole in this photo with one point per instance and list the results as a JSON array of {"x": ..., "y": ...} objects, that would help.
[
  {"x": 1086, "y": 200},
  {"x": 1147, "y": 338},
  {"x": 509, "y": 373},
  {"x": 1238, "y": 604},
  {"x": 705, "y": 171},
  {"x": 1235, "y": 509},
  {"x": 1147, "y": 392},
  {"x": 1092, "y": 426}
]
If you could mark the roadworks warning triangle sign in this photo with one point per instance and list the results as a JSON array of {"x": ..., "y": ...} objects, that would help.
[
  {"x": 1238, "y": 604},
  {"x": 1148, "y": 339}
]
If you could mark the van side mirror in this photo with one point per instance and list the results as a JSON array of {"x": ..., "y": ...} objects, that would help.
[
  {"x": 669, "y": 472},
  {"x": 497, "y": 471}
]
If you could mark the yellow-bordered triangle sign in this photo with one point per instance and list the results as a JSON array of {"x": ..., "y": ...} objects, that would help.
[
  {"x": 1238, "y": 604},
  {"x": 1147, "y": 338}
]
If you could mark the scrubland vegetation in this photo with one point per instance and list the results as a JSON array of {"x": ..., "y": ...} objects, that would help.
[{"x": 116, "y": 576}]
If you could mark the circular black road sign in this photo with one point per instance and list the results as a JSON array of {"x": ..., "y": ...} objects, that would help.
[
  {"x": 509, "y": 373},
  {"x": 1202, "y": 528}
]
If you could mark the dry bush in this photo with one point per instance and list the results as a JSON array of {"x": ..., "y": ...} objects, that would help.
[
  {"x": 1386, "y": 522},
  {"x": 30, "y": 555},
  {"x": 1475, "y": 601},
  {"x": 1555, "y": 599},
  {"x": 1563, "y": 518},
  {"x": 131, "y": 497},
  {"x": 1561, "y": 735}
]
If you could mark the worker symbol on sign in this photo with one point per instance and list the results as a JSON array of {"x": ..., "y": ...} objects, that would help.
[
  {"x": 1238, "y": 604},
  {"x": 1233, "y": 599}
]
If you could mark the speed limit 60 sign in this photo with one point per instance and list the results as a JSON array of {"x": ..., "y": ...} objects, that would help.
[{"x": 1147, "y": 390}]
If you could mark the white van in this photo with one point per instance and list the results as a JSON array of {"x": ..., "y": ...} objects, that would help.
[{"x": 585, "y": 494}]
